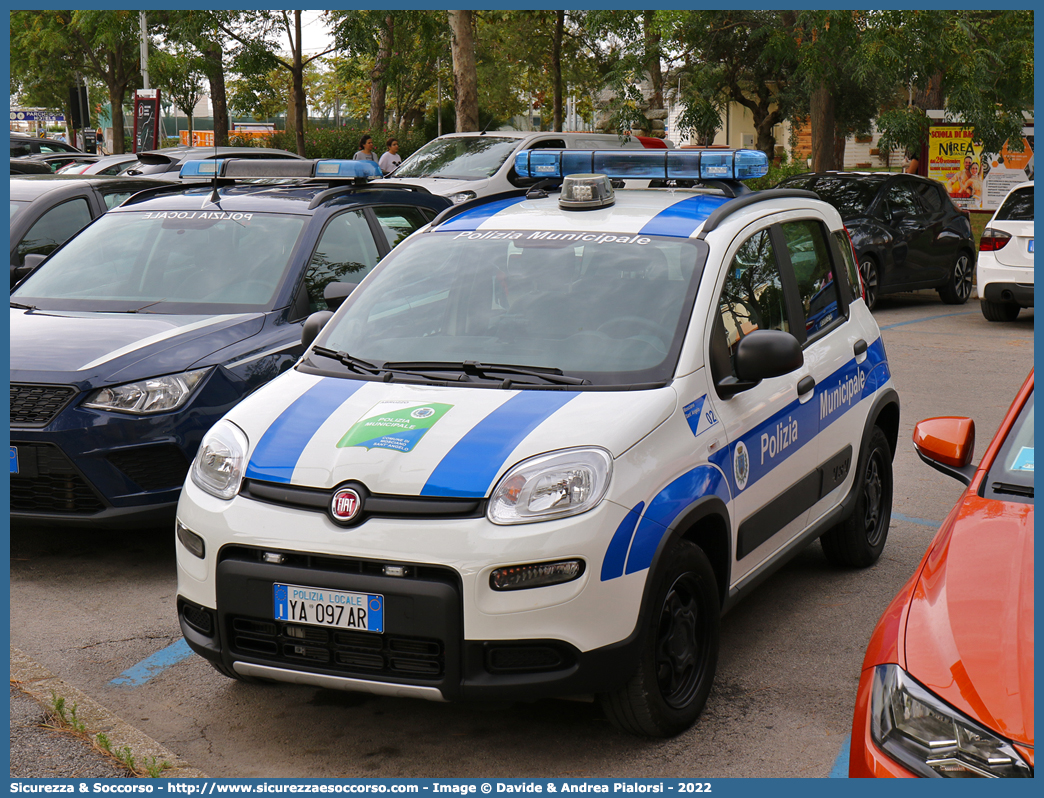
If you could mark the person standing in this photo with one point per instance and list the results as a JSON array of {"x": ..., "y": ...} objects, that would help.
[
  {"x": 913, "y": 162},
  {"x": 365, "y": 152},
  {"x": 390, "y": 161},
  {"x": 101, "y": 142}
]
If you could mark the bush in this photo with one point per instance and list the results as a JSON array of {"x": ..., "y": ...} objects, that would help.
[
  {"x": 331, "y": 142},
  {"x": 778, "y": 172}
]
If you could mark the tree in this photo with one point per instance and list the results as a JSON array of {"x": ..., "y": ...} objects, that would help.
[
  {"x": 256, "y": 34},
  {"x": 178, "y": 71},
  {"x": 977, "y": 66},
  {"x": 465, "y": 76},
  {"x": 103, "y": 44}
]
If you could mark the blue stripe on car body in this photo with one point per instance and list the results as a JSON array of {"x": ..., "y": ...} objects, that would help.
[
  {"x": 616, "y": 554},
  {"x": 470, "y": 466},
  {"x": 276, "y": 454},
  {"x": 670, "y": 501},
  {"x": 470, "y": 220},
  {"x": 682, "y": 219}
]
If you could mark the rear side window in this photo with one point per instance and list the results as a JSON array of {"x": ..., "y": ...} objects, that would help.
[
  {"x": 54, "y": 228},
  {"x": 1018, "y": 207},
  {"x": 399, "y": 222},
  {"x": 931, "y": 195},
  {"x": 809, "y": 253},
  {"x": 346, "y": 253}
]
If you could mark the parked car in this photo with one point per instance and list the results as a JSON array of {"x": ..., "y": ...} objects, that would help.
[
  {"x": 167, "y": 162},
  {"x": 1004, "y": 271},
  {"x": 947, "y": 688},
  {"x": 463, "y": 166},
  {"x": 47, "y": 210},
  {"x": 22, "y": 146},
  {"x": 27, "y": 166},
  {"x": 139, "y": 333},
  {"x": 546, "y": 444},
  {"x": 58, "y": 160},
  {"x": 103, "y": 165},
  {"x": 905, "y": 229}
]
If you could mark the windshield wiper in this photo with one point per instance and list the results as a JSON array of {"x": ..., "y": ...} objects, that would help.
[
  {"x": 1013, "y": 489},
  {"x": 356, "y": 364},
  {"x": 471, "y": 368},
  {"x": 139, "y": 310},
  {"x": 20, "y": 306}
]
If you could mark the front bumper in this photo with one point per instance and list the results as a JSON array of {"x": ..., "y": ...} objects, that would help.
[
  {"x": 92, "y": 468},
  {"x": 447, "y": 634}
]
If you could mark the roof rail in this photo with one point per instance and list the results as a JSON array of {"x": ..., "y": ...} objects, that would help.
[
  {"x": 718, "y": 215},
  {"x": 148, "y": 193},
  {"x": 323, "y": 196}
]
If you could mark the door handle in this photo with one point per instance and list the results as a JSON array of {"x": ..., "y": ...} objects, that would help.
[
  {"x": 805, "y": 385},
  {"x": 860, "y": 347}
]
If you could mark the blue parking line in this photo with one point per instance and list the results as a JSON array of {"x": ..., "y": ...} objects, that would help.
[
  {"x": 840, "y": 770},
  {"x": 911, "y": 520},
  {"x": 153, "y": 666},
  {"x": 930, "y": 318}
]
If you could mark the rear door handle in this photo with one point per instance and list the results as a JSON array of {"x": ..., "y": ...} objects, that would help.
[
  {"x": 860, "y": 350},
  {"x": 805, "y": 388}
]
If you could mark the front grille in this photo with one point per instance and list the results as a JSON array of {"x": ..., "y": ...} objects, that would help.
[
  {"x": 37, "y": 405},
  {"x": 339, "y": 565},
  {"x": 337, "y": 652},
  {"x": 48, "y": 482},
  {"x": 152, "y": 467}
]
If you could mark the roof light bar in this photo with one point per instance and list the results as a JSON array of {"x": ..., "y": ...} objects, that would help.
[
  {"x": 242, "y": 168},
  {"x": 647, "y": 164}
]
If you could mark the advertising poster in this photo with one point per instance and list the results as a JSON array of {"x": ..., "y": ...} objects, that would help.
[{"x": 976, "y": 181}]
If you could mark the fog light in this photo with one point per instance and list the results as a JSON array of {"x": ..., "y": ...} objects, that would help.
[
  {"x": 520, "y": 577},
  {"x": 273, "y": 557},
  {"x": 190, "y": 540},
  {"x": 395, "y": 570}
]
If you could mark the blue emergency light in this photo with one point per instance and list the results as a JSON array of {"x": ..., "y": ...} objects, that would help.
[
  {"x": 644, "y": 164},
  {"x": 290, "y": 168}
]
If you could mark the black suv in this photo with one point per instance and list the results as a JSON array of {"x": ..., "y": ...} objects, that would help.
[{"x": 906, "y": 231}]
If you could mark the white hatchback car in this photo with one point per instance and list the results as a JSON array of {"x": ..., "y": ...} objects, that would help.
[
  {"x": 1004, "y": 271},
  {"x": 546, "y": 443}
]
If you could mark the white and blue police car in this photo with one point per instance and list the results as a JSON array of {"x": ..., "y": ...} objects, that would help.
[{"x": 546, "y": 443}]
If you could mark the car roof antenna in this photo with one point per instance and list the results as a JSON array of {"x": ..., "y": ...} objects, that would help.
[{"x": 214, "y": 198}]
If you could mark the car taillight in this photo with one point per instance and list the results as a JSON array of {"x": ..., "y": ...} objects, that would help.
[{"x": 992, "y": 240}]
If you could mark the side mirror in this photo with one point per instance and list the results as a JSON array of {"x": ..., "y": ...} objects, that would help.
[
  {"x": 313, "y": 326},
  {"x": 336, "y": 293},
  {"x": 899, "y": 216},
  {"x": 29, "y": 265},
  {"x": 947, "y": 445},
  {"x": 760, "y": 355}
]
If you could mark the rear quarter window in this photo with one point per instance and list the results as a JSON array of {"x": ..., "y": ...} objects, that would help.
[{"x": 1018, "y": 207}]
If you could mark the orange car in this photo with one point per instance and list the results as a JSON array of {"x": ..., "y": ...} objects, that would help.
[{"x": 947, "y": 682}]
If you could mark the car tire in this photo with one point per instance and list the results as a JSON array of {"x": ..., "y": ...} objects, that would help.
[
  {"x": 858, "y": 541},
  {"x": 871, "y": 280},
  {"x": 999, "y": 311},
  {"x": 679, "y": 649},
  {"x": 958, "y": 286}
]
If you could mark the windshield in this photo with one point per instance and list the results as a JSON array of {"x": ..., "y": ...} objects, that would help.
[
  {"x": 609, "y": 309},
  {"x": 170, "y": 261},
  {"x": 16, "y": 206},
  {"x": 463, "y": 158},
  {"x": 851, "y": 197},
  {"x": 1011, "y": 477}
]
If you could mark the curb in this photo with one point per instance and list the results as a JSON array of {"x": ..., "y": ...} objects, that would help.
[{"x": 38, "y": 682}]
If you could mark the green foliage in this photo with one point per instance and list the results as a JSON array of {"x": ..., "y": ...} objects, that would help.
[
  {"x": 905, "y": 128},
  {"x": 777, "y": 172},
  {"x": 333, "y": 142}
]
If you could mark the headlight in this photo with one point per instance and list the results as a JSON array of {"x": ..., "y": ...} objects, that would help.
[
  {"x": 462, "y": 196},
  {"x": 930, "y": 738},
  {"x": 155, "y": 395},
  {"x": 551, "y": 486},
  {"x": 221, "y": 460}
]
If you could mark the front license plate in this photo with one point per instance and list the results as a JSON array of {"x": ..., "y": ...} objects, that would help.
[
  {"x": 318, "y": 606},
  {"x": 14, "y": 460}
]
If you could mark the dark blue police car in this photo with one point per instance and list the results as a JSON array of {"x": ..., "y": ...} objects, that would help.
[{"x": 138, "y": 334}]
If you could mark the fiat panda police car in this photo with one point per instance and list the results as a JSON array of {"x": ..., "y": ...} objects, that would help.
[{"x": 546, "y": 443}]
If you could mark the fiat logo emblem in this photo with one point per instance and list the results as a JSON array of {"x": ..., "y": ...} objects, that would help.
[{"x": 345, "y": 504}]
